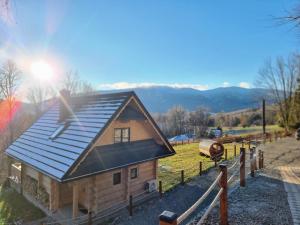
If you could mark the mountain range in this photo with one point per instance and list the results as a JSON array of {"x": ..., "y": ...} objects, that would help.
[{"x": 223, "y": 99}]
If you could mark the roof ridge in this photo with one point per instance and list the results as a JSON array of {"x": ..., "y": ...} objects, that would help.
[{"x": 99, "y": 93}]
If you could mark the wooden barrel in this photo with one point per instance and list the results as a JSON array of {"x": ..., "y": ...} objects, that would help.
[{"x": 211, "y": 148}]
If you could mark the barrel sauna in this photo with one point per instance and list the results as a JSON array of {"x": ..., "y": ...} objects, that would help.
[{"x": 212, "y": 149}]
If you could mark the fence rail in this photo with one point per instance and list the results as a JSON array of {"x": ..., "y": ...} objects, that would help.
[
  {"x": 170, "y": 218},
  {"x": 221, "y": 179}
]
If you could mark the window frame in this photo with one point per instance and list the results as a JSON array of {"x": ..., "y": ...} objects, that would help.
[
  {"x": 119, "y": 181},
  {"x": 121, "y": 138},
  {"x": 136, "y": 175}
]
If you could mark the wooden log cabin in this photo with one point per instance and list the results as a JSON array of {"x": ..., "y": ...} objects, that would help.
[{"x": 88, "y": 153}]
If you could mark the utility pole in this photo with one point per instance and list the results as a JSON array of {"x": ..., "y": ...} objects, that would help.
[{"x": 264, "y": 115}]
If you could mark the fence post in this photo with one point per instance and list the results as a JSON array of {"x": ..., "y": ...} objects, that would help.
[
  {"x": 259, "y": 159},
  {"x": 200, "y": 168},
  {"x": 182, "y": 177},
  {"x": 242, "y": 167},
  {"x": 90, "y": 221},
  {"x": 262, "y": 159},
  {"x": 130, "y": 205},
  {"x": 255, "y": 158},
  {"x": 223, "y": 197},
  {"x": 252, "y": 161},
  {"x": 270, "y": 137},
  {"x": 160, "y": 189},
  {"x": 168, "y": 218},
  {"x": 234, "y": 150},
  {"x": 249, "y": 144},
  {"x": 225, "y": 153}
]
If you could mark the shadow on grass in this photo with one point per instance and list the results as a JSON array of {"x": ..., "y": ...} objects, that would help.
[{"x": 14, "y": 207}]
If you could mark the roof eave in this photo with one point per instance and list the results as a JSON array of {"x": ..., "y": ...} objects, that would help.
[
  {"x": 33, "y": 167},
  {"x": 118, "y": 167}
]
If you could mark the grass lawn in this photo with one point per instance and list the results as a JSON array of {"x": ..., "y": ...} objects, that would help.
[
  {"x": 14, "y": 206},
  {"x": 187, "y": 158},
  {"x": 254, "y": 129}
]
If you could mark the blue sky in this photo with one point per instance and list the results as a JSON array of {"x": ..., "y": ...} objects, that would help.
[{"x": 194, "y": 43}]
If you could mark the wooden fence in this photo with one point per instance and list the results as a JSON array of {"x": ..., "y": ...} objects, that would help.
[
  {"x": 167, "y": 218},
  {"x": 170, "y": 218}
]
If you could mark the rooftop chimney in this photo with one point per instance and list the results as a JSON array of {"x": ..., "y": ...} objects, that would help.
[{"x": 64, "y": 105}]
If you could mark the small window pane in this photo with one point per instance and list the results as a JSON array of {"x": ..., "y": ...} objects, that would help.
[
  {"x": 122, "y": 135},
  {"x": 133, "y": 173},
  {"x": 125, "y": 132},
  {"x": 117, "y": 140},
  {"x": 118, "y": 135},
  {"x": 117, "y": 178},
  {"x": 125, "y": 135}
]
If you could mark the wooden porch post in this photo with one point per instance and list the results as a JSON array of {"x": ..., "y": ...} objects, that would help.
[
  {"x": 9, "y": 162},
  {"x": 91, "y": 194},
  {"x": 40, "y": 177},
  {"x": 22, "y": 178},
  {"x": 126, "y": 171},
  {"x": 54, "y": 196},
  {"x": 75, "y": 200},
  {"x": 155, "y": 168}
]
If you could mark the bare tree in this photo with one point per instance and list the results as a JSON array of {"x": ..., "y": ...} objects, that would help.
[
  {"x": 36, "y": 96},
  {"x": 280, "y": 78},
  {"x": 177, "y": 120},
  {"x": 10, "y": 77},
  {"x": 75, "y": 85},
  {"x": 161, "y": 120},
  {"x": 71, "y": 82},
  {"x": 198, "y": 121},
  {"x": 291, "y": 17}
]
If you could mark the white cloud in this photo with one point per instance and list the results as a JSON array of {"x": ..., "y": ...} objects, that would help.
[
  {"x": 126, "y": 85},
  {"x": 244, "y": 85},
  {"x": 225, "y": 84}
]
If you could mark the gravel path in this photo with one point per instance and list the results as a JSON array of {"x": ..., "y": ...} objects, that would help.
[
  {"x": 291, "y": 179},
  {"x": 264, "y": 199},
  {"x": 178, "y": 200}
]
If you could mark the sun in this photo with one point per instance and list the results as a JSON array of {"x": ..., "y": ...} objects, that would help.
[{"x": 42, "y": 70}]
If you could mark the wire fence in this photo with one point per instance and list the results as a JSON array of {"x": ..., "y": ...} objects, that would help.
[
  {"x": 221, "y": 179},
  {"x": 179, "y": 176}
]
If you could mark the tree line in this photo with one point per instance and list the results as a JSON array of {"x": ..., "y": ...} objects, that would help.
[{"x": 179, "y": 120}]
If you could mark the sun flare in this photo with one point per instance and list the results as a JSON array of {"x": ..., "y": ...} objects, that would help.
[{"x": 42, "y": 70}]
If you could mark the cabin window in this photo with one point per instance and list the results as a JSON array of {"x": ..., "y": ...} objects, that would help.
[
  {"x": 122, "y": 135},
  {"x": 117, "y": 178},
  {"x": 134, "y": 173}
]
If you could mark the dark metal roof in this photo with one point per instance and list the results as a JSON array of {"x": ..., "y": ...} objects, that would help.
[
  {"x": 108, "y": 157},
  {"x": 55, "y": 157},
  {"x": 55, "y": 147}
]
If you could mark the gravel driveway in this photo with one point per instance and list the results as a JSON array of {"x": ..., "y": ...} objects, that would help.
[{"x": 264, "y": 199}]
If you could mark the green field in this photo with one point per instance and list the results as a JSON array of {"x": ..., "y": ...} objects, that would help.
[
  {"x": 253, "y": 129},
  {"x": 14, "y": 207},
  {"x": 187, "y": 158}
]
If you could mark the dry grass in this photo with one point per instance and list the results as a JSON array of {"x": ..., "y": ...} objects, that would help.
[
  {"x": 187, "y": 158},
  {"x": 14, "y": 207}
]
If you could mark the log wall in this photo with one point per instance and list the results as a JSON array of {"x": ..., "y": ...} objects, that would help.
[
  {"x": 98, "y": 193},
  {"x": 139, "y": 130}
]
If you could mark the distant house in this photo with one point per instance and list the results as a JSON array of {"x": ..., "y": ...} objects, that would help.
[{"x": 88, "y": 154}]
